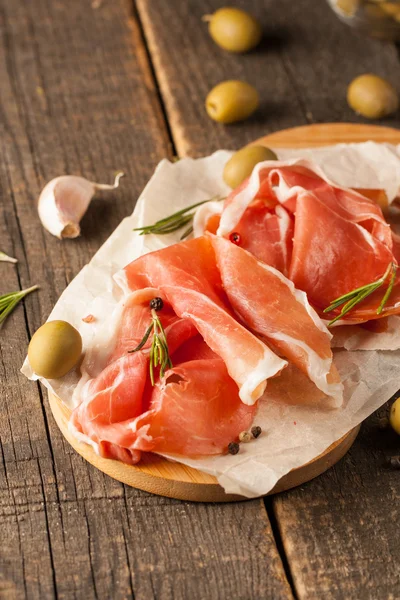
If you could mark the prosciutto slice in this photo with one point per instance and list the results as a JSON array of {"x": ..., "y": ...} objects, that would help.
[
  {"x": 187, "y": 274},
  {"x": 267, "y": 233},
  {"x": 328, "y": 251},
  {"x": 270, "y": 305},
  {"x": 195, "y": 410},
  {"x": 341, "y": 240},
  {"x": 109, "y": 405}
]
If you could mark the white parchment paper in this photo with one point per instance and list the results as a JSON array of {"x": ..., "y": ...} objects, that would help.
[{"x": 297, "y": 423}]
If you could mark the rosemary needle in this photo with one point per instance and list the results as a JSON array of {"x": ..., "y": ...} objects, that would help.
[
  {"x": 9, "y": 301},
  {"x": 175, "y": 221},
  {"x": 187, "y": 232},
  {"x": 389, "y": 289}
]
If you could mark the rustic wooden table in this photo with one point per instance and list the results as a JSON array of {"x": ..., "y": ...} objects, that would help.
[{"x": 91, "y": 88}]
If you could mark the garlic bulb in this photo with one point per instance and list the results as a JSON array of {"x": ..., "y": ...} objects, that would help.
[{"x": 64, "y": 201}]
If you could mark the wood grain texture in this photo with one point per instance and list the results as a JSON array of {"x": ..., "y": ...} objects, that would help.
[
  {"x": 295, "y": 69},
  {"x": 345, "y": 524},
  {"x": 77, "y": 96}
]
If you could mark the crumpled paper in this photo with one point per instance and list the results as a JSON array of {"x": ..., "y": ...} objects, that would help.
[{"x": 297, "y": 422}]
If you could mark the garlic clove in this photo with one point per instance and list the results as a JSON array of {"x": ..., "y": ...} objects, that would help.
[{"x": 64, "y": 201}]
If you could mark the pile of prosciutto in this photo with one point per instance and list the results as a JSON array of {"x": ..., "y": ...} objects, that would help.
[{"x": 239, "y": 302}]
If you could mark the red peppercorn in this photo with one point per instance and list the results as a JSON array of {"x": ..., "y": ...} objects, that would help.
[{"x": 235, "y": 238}]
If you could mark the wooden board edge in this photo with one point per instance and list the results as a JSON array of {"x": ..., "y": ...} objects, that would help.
[
  {"x": 194, "y": 491},
  {"x": 328, "y": 134}
]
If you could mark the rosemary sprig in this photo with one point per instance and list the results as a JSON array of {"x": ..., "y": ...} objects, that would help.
[
  {"x": 175, "y": 221},
  {"x": 5, "y": 258},
  {"x": 351, "y": 299},
  {"x": 9, "y": 301},
  {"x": 159, "y": 353}
]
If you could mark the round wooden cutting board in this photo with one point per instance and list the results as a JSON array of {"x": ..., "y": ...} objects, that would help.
[{"x": 160, "y": 476}]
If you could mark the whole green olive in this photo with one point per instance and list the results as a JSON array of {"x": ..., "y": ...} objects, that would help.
[
  {"x": 372, "y": 97},
  {"x": 242, "y": 163},
  {"x": 234, "y": 29},
  {"x": 55, "y": 348},
  {"x": 347, "y": 7},
  {"x": 231, "y": 101},
  {"x": 395, "y": 416},
  {"x": 391, "y": 8}
]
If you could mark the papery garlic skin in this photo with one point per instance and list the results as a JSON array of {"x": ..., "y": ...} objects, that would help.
[{"x": 64, "y": 201}]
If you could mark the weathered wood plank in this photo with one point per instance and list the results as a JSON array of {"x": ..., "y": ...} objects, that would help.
[
  {"x": 337, "y": 531},
  {"x": 295, "y": 69},
  {"x": 77, "y": 96}
]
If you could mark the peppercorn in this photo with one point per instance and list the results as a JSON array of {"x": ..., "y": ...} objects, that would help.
[
  {"x": 156, "y": 304},
  {"x": 245, "y": 437},
  {"x": 233, "y": 448},
  {"x": 256, "y": 431},
  {"x": 235, "y": 238}
]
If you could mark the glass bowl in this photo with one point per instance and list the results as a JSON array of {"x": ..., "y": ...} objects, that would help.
[{"x": 379, "y": 19}]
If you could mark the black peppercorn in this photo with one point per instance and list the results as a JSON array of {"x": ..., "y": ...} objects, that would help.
[
  {"x": 156, "y": 304},
  {"x": 256, "y": 431},
  {"x": 233, "y": 448}
]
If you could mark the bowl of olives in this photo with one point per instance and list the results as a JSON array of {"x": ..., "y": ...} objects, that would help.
[{"x": 377, "y": 18}]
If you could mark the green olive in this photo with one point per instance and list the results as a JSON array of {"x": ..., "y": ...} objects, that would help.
[
  {"x": 347, "y": 7},
  {"x": 242, "y": 163},
  {"x": 391, "y": 8},
  {"x": 55, "y": 348},
  {"x": 372, "y": 97},
  {"x": 395, "y": 416},
  {"x": 234, "y": 29},
  {"x": 231, "y": 101},
  {"x": 374, "y": 12}
]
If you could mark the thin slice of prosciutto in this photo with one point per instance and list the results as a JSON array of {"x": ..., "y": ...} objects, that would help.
[
  {"x": 187, "y": 274},
  {"x": 194, "y": 410},
  {"x": 269, "y": 304},
  {"x": 340, "y": 242}
]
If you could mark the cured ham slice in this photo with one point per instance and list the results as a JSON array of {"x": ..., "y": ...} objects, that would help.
[
  {"x": 341, "y": 239},
  {"x": 110, "y": 402},
  {"x": 269, "y": 304},
  {"x": 195, "y": 410},
  {"x": 281, "y": 182},
  {"x": 267, "y": 233},
  {"x": 109, "y": 405},
  {"x": 332, "y": 255},
  {"x": 187, "y": 274},
  {"x": 126, "y": 328}
]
